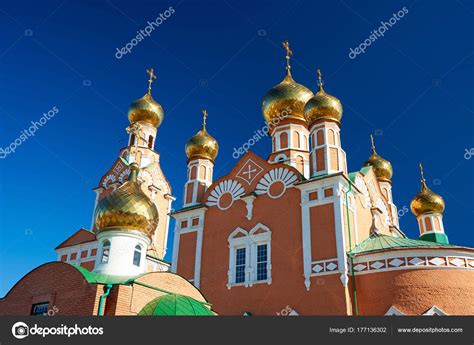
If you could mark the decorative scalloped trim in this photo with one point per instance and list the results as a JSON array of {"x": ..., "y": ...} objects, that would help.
[
  {"x": 227, "y": 186},
  {"x": 286, "y": 176}
]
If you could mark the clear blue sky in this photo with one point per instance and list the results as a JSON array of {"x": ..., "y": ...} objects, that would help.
[{"x": 413, "y": 86}]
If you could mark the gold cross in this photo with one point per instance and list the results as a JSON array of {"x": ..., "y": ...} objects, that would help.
[
  {"x": 289, "y": 53},
  {"x": 372, "y": 141},
  {"x": 421, "y": 172},
  {"x": 204, "y": 117},
  {"x": 150, "y": 81},
  {"x": 320, "y": 78}
]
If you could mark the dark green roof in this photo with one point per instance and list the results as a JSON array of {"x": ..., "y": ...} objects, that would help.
[
  {"x": 377, "y": 242},
  {"x": 175, "y": 305},
  {"x": 97, "y": 278}
]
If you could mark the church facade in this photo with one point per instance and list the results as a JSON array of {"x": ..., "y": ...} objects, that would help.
[
  {"x": 295, "y": 233},
  {"x": 298, "y": 233}
]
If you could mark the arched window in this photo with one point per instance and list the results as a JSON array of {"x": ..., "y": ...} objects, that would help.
[
  {"x": 320, "y": 137},
  {"x": 283, "y": 140},
  {"x": 105, "y": 252},
  {"x": 150, "y": 142},
  {"x": 132, "y": 139},
  {"x": 300, "y": 164},
  {"x": 137, "y": 255},
  {"x": 331, "y": 137},
  {"x": 296, "y": 140}
]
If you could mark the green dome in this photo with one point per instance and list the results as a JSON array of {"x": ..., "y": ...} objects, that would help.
[{"x": 175, "y": 305}]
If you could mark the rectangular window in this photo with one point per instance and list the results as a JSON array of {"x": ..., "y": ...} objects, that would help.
[
  {"x": 262, "y": 262},
  {"x": 240, "y": 265},
  {"x": 40, "y": 309}
]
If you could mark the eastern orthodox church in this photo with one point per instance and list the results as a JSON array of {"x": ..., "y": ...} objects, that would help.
[{"x": 293, "y": 233}]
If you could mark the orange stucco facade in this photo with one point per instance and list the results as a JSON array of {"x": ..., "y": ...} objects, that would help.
[{"x": 311, "y": 226}]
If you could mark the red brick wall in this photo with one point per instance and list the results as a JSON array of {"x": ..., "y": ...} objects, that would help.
[
  {"x": 415, "y": 291},
  {"x": 187, "y": 247},
  {"x": 58, "y": 283}
]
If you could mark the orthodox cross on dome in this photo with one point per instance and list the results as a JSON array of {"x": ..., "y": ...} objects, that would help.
[
  {"x": 372, "y": 143},
  {"x": 150, "y": 81},
  {"x": 423, "y": 181},
  {"x": 289, "y": 53},
  {"x": 204, "y": 117},
  {"x": 320, "y": 79}
]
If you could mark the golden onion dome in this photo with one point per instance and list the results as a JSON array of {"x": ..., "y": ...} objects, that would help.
[
  {"x": 127, "y": 208},
  {"x": 287, "y": 99},
  {"x": 202, "y": 144},
  {"x": 382, "y": 168},
  {"x": 322, "y": 106},
  {"x": 426, "y": 201},
  {"x": 146, "y": 109}
]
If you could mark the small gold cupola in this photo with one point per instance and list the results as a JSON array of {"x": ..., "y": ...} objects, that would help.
[
  {"x": 426, "y": 201},
  {"x": 382, "y": 168},
  {"x": 322, "y": 106},
  {"x": 127, "y": 208},
  {"x": 202, "y": 144},
  {"x": 287, "y": 99},
  {"x": 146, "y": 109}
]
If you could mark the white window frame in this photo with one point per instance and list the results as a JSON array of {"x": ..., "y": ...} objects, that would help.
[
  {"x": 138, "y": 249},
  {"x": 102, "y": 251},
  {"x": 250, "y": 241}
]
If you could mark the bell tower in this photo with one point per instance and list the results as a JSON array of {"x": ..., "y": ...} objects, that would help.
[{"x": 145, "y": 116}]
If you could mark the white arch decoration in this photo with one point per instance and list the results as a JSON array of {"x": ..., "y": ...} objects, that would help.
[
  {"x": 227, "y": 186},
  {"x": 286, "y": 176}
]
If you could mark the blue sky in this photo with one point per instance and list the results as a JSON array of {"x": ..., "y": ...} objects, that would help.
[{"x": 412, "y": 87}]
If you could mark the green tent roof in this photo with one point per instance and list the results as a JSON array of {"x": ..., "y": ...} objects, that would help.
[
  {"x": 175, "y": 305},
  {"x": 377, "y": 242},
  {"x": 97, "y": 278}
]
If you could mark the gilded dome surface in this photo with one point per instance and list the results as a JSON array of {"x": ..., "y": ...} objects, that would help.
[
  {"x": 202, "y": 144},
  {"x": 426, "y": 201},
  {"x": 382, "y": 168},
  {"x": 127, "y": 208},
  {"x": 323, "y": 106},
  {"x": 147, "y": 110},
  {"x": 285, "y": 100}
]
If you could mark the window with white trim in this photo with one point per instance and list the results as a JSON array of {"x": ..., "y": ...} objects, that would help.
[
  {"x": 105, "y": 252},
  {"x": 262, "y": 262},
  {"x": 240, "y": 254},
  {"x": 137, "y": 255},
  {"x": 249, "y": 257}
]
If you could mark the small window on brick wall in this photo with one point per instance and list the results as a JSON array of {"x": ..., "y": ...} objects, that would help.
[{"x": 40, "y": 308}]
